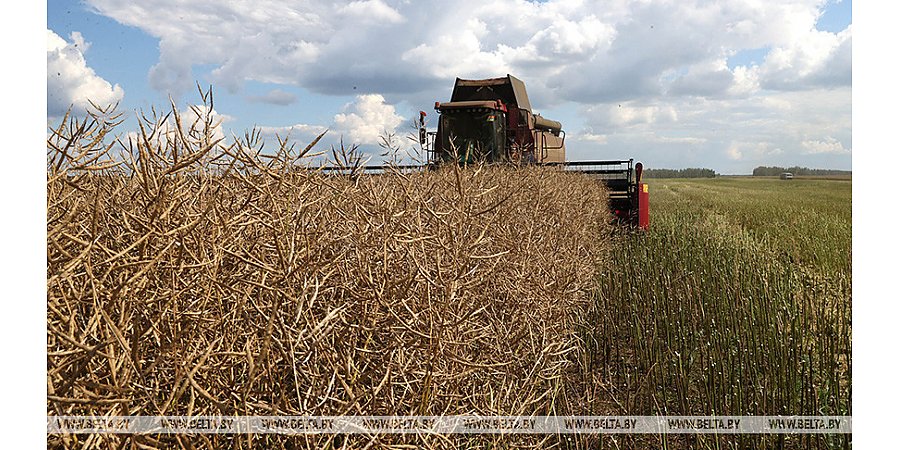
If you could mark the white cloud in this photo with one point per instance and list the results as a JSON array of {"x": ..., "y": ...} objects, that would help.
[
  {"x": 827, "y": 145},
  {"x": 566, "y": 50},
  {"x": 754, "y": 151},
  {"x": 70, "y": 82},
  {"x": 195, "y": 117},
  {"x": 710, "y": 78},
  {"x": 817, "y": 58},
  {"x": 628, "y": 114},
  {"x": 193, "y": 125},
  {"x": 363, "y": 121},
  {"x": 371, "y": 11},
  {"x": 450, "y": 55},
  {"x": 592, "y": 137},
  {"x": 670, "y": 64},
  {"x": 300, "y": 131},
  {"x": 368, "y": 118}
]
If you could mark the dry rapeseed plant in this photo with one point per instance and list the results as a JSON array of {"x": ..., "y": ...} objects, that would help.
[{"x": 190, "y": 277}]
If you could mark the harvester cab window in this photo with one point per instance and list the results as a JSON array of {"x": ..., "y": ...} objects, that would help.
[{"x": 476, "y": 134}]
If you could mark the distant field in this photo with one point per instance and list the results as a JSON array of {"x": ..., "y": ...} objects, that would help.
[
  {"x": 737, "y": 301},
  {"x": 825, "y": 177},
  {"x": 798, "y": 177},
  {"x": 807, "y": 219}
]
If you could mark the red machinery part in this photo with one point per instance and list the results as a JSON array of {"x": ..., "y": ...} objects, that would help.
[{"x": 643, "y": 206}]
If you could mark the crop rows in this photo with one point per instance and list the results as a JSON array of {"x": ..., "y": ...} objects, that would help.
[{"x": 737, "y": 302}]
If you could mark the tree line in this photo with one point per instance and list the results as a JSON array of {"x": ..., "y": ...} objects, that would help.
[{"x": 766, "y": 171}]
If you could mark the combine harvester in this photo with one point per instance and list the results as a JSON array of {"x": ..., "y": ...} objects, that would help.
[{"x": 491, "y": 121}]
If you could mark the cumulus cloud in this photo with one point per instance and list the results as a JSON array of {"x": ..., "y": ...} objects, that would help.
[
  {"x": 366, "y": 119},
  {"x": 827, "y": 145},
  {"x": 752, "y": 150},
  {"x": 592, "y": 137},
  {"x": 711, "y": 78},
  {"x": 70, "y": 82},
  {"x": 627, "y": 115},
  {"x": 450, "y": 55},
  {"x": 363, "y": 121},
  {"x": 371, "y": 11},
  {"x": 193, "y": 123},
  {"x": 299, "y": 131},
  {"x": 670, "y": 65},
  {"x": 818, "y": 58},
  {"x": 730, "y": 134},
  {"x": 264, "y": 40},
  {"x": 568, "y": 50},
  {"x": 196, "y": 116}
]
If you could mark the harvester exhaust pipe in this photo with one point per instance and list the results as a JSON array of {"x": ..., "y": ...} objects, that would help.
[{"x": 547, "y": 124}]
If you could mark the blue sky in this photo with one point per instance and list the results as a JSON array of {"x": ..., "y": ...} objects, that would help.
[{"x": 730, "y": 85}]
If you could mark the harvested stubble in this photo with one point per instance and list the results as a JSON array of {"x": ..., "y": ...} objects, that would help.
[{"x": 200, "y": 279}]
